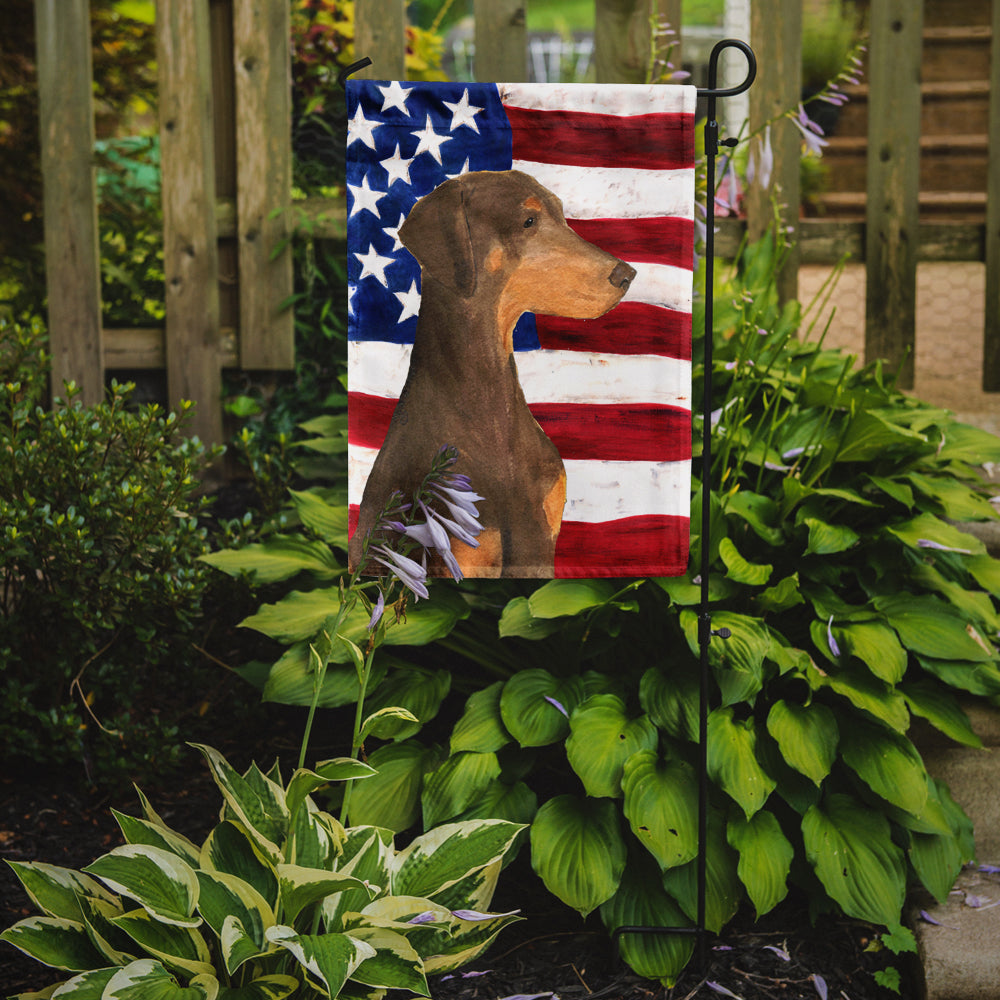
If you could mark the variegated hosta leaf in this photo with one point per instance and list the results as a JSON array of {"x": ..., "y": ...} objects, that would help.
[
  {"x": 661, "y": 799},
  {"x": 177, "y": 947},
  {"x": 300, "y": 887},
  {"x": 141, "y": 831},
  {"x": 476, "y": 890},
  {"x": 304, "y": 782},
  {"x": 807, "y": 736},
  {"x": 457, "y": 784},
  {"x": 642, "y": 902},
  {"x": 274, "y": 987},
  {"x": 230, "y": 849},
  {"x": 578, "y": 851},
  {"x": 441, "y": 857},
  {"x": 158, "y": 880},
  {"x": 116, "y": 946},
  {"x": 256, "y": 801},
  {"x": 602, "y": 737},
  {"x": 56, "y": 891},
  {"x": 329, "y": 959},
  {"x": 481, "y": 727},
  {"x": 732, "y": 760},
  {"x": 54, "y": 941},
  {"x": 395, "y": 964},
  {"x": 367, "y": 853},
  {"x": 315, "y": 838},
  {"x": 225, "y": 897},
  {"x": 850, "y": 847},
  {"x": 765, "y": 858},
  {"x": 86, "y": 986},
  {"x": 147, "y": 979},
  {"x": 467, "y": 940}
]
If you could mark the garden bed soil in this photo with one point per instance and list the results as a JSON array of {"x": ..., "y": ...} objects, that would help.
[{"x": 57, "y": 819}]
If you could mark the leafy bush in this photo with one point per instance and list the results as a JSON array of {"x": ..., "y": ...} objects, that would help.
[
  {"x": 279, "y": 899},
  {"x": 854, "y": 601},
  {"x": 99, "y": 539}
]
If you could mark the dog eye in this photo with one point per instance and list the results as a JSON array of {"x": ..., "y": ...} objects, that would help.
[{"x": 529, "y": 221}]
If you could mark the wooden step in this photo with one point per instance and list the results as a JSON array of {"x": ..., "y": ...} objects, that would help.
[
  {"x": 940, "y": 13},
  {"x": 956, "y": 53},
  {"x": 957, "y": 206}
]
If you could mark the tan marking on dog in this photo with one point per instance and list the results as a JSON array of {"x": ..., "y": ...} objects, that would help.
[
  {"x": 494, "y": 260},
  {"x": 484, "y": 561},
  {"x": 554, "y": 503},
  {"x": 532, "y": 204}
]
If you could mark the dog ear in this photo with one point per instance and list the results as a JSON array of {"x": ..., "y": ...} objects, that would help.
[{"x": 437, "y": 233}]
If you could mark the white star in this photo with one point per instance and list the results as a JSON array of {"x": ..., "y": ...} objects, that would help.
[
  {"x": 374, "y": 265},
  {"x": 364, "y": 197},
  {"x": 430, "y": 141},
  {"x": 464, "y": 170},
  {"x": 360, "y": 128},
  {"x": 395, "y": 97},
  {"x": 351, "y": 289},
  {"x": 410, "y": 300},
  {"x": 397, "y": 168},
  {"x": 393, "y": 231},
  {"x": 463, "y": 113}
]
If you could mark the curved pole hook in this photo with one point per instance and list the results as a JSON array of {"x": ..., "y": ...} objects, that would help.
[
  {"x": 352, "y": 68},
  {"x": 712, "y": 90}
]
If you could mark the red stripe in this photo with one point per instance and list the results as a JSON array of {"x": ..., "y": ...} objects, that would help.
[
  {"x": 646, "y": 240},
  {"x": 652, "y": 545},
  {"x": 630, "y": 328},
  {"x": 645, "y": 142},
  {"x": 637, "y": 432}
]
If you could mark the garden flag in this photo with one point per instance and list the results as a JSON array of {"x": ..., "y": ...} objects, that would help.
[{"x": 520, "y": 280}]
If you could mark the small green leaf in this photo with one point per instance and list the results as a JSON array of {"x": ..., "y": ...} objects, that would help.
[
  {"x": 739, "y": 569},
  {"x": 518, "y": 621},
  {"x": 671, "y": 699},
  {"x": 481, "y": 727},
  {"x": 941, "y": 709},
  {"x": 827, "y": 539},
  {"x": 328, "y": 521},
  {"x": 559, "y": 598},
  {"x": 279, "y": 558},
  {"x": 807, "y": 736},
  {"x": 732, "y": 760},
  {"x": 301, "y": 887},
  {"x": 765, "y": 858}
]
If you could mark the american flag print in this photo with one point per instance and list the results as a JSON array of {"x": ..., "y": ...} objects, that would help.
[{"x": 613, "y": 393}]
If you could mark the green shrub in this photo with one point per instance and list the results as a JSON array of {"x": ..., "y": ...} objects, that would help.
[
  {"x": 280, "y": 899},
  {"x": 99, "y": 541}
]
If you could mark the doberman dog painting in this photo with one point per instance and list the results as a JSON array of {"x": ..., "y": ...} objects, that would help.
[{"x": 520, "y": 262}]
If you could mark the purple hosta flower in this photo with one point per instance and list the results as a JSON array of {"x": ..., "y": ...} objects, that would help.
[
  {"x": 834, "y": 648},
  {"x": 727, "y": 197},
  {"x": 780, "y": 952},
  {"x": 989, "y": 869},
  {"x": 761, "y": 163},
  {"x": 927, "y": 543},
  {"x": 432, "y": 535},
  {"x": 377, "y": 612},
  {"x": 427, "y": 917},
  {"x": 475, "y": 915},
  {"x": 461, "y": 504},
  {"x": 719, "y": 988},
  {"x": 411, "y": 573},
  {"x": 811, "y": 132},
  {"x": 820, "y": 983},
  {"x": 557, "y": 704}
]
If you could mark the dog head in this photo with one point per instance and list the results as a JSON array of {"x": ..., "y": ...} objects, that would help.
[{"x": 503, "y": 234}]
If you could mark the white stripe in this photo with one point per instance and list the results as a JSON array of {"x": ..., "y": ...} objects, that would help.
[
  {"x": 615, "y": 192},
  {"x": 595, "y": 491},
  {"x": 599, "y": 98},
  {"x": 661, "y": 285},
  {"x": 377, "y": 368}
]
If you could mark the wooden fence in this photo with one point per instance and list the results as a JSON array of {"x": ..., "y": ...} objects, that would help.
[{"x": 226, "y": 160}]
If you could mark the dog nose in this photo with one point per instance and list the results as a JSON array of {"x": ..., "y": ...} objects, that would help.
[{"x": 622, "y": 276}]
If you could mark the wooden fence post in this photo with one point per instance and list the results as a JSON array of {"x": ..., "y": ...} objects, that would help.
[
  {"x": 501, "y": 41},
  {"x": 776, "y": 35},
  {"x": 72, "y": 255},
  {"x": 991, "y": 332},
  {"x": 893, "y": 183},
  {"x": 621, "y": 40},
  {"x": 190, "y": 251},
  {"x": 380, "y": 34},
  {"x": 262, "y": 60}
]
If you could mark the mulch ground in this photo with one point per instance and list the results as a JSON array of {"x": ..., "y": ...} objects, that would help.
[{"x": 551, "y": 953}]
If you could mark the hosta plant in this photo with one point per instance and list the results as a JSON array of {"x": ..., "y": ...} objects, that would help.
[{"x": 279, "y": 900}]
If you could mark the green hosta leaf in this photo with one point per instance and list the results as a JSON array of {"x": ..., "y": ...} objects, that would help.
[
  {"x": 976, "y": 678},
  {"x": 783, "y": 595},
  {"x": 893, "y": 488},
  {"x": 481, "y": 728},
  {"x": 888, "y": 763},
  {"x": 661, "y": 798},
  {"x": 928, "y": 528},
  {"x": 292, "y": 680},
  {"x": 260, "y": 809},
  {"x": 327, "y": 520},
  {"x": 732, "y": 760},
  {"x": 986, "y": 571},
  {"x": 415, "y": 689},
  {"x": 876, "y": 646},
  {"x": 671, "y": 699},
  {"x": 56, "y": 891},
  {"x": 180, "y": 948},
  {"x": 738, "y": 661},
  {"x": 827, "y": 539},
  {"x": 850, "y": 847},
  {"x": 225, "y": 897},
  {"x": 331, "y": 959},
  {"x": 438, "y": 859},
  {"x": 86, "y": 986},
  {"x": 516, "y": 803},
  {"x": 578, "y": 851},
  {"x": 723, "y": 889},
  {"x": 931, "y": 628},
  {"x": 765, "y": 858},
  {"x": 602, "y": 738},
  {"x": 760, "y": 512},
  {"x": 941, "y": 709},
  {"x": 279, "y": 558},
  {"x": 98, "y": 916},
  {"x": 391, "y": 798},
  {"x": 275, "y": 987},
  {"x": 751, "y": 574},
  {"x": 517, "y": 620},
  {"x": 807, "y": 736},
  {"x": 937, "y": 859},
  {"x": 641, "y": 901},
  {"x": 147, "y": 979},
  {"x": 957, "y": 501},
  {"x": 395, "y": 964},
  {"x": 870, "y": 435},
  {"x": 301, "y": 887},
  {"x": 683, "y": 592},
  {"x": 238, "y": 944},
  {"x": 528, "y": 710},
  {"x": 163, "y": 884},
  {"x": 230, "y": 849},
  {"x": 465, "y": 941},
  {"x": 141, "y": 831},
  {"x": 965, "y": 443},
  {"x": 54, "y": 941},
  {"x": 558, "y": 598},
  {"x": 366, "y": 855},
  {"x": 976, "y": 605},
  {"x": 304, "y": 782},
  {"x": 865, "y": 692},
  {"x": 456, "y": 784},
  {"x": 385, "y": 723}
]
